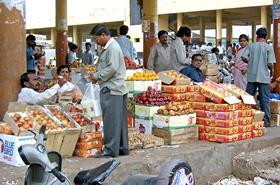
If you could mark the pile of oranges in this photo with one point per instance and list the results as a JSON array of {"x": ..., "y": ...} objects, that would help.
[
  {"x": 143, "y": 76},
  {"x": 174, "y": 74}
]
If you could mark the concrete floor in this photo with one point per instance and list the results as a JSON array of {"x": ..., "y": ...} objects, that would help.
[{"x": 210, "y": 161}]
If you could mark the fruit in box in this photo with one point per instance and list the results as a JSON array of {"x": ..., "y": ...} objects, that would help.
[
  {"x": 129, "y": 64},
  {"x": 143, "y": 76},
  {"x": 23, "y": 122},
  {"x": 81, "y": 119},
  {"x": 152, "y": 97},
  {"x": 175, "y": 109},
  {"x": 174, "y": 74},
  {"x": 43, "y": 119},
  {"x": 5, "y": 129},
  {"x": 74, "y": 108},
  {"x": 61, "y": 117}
]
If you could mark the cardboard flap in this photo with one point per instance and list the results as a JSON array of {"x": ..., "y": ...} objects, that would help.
[
  {"x": 248, "y": 99},
  {"x": 232, "y": 100},
  {"x": 16, "y": 107}
]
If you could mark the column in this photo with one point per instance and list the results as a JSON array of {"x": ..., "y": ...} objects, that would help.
[
  {"x": 180, "y": 18},
  {"x": 150, "y": 21},
  {"x": 202, "y": 29},
  {"x": 269, "y": 22},
  {"x": 13, "y": 55},
  {"x": 253, "y": 32},
  {"x": 61, "y": 32},
  {"x": 75, "y": 35},
  {"x": 163, "y": 22},
  {"x": 127, "y": 12},
  {"x": 264, "y": 16},
  {"x": 229, "y": 33},
  {"x": 218, "y": 26},
  {"x": 276, "y": 44},
  {"x": 53, "y": 37}
]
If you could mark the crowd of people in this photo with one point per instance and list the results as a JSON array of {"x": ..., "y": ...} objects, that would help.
[{"x": 251, "y": 65}]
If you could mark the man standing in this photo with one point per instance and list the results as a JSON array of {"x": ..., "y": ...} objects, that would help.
[
  {"x": 193, "y": 71},
  {"x": 88, "y": 57},
  {"x": 125, "y": 44},
  {"x": 221, "y": 50},
  {"x": 178, "y": 52},
  {"x": 159, "y": 59},
  {"x": 30, "y": 59},
  {"x": 260, "y": 57},
  {"x": 110, "y": 75}
]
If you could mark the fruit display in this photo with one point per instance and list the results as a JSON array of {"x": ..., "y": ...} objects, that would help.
[
  {"x": 74, "y": 108},
  {"x": 152, "y": 97},
  {"x": 5, "y": 129},
  {"x": 76, "y": 64},
  {"x": 172, "y": 77},
  {"x": 59, "y": 114},
  {"x": 143, "y": 76},
  {"x": 42, "y": 118},
  {"x": 81, "y": 119},
  {"x": 23, "y": 121},
  {"x": 90, "y": 68},
  {"x": 129, "y": 64},
  {"x": 174, "y": 74},
  {"x": 176, "y": 109}
]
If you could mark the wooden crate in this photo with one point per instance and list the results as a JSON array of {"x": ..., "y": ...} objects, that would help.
[
  {"x": 54, "y": 140},
  {"x": 177, "y": 136},
  {"x": 69, "y": 142}
]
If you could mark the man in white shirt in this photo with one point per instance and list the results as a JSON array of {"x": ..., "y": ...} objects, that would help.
[
  {"x": 159, "y": 59},
  {"x": 178, "y": 54},
  {"x": 221, "y": 50},
  {"x": 30, "y": 85}
]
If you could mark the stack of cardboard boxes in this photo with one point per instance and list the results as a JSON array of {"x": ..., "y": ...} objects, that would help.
[{"x": 275, "y": 112}]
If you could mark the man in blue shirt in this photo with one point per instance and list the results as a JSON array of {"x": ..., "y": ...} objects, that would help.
[
  {"x": 193, "y": 71},
  {"x": 125, "y": 44},
  {"x": 30, "y": 59}
]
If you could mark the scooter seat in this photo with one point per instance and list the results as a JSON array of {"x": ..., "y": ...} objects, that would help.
[{"x": 96, "y": 175}]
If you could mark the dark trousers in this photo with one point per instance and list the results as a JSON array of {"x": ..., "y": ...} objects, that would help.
[
  {"x": 114, "y": 113},
  {"x": 264, "y": 93}
]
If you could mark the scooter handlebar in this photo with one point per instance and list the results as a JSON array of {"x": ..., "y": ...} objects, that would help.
[{"x": 58, "y": 175}]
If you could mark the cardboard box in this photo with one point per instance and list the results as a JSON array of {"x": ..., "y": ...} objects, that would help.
[
  {"x": 246, "y": 135},
  {"x": 209, "y": 69},
  {"x": 275, "y": 106},
  {"x": 141, "y": 86},
  {"x": 242, "y": 106},
  {"x": 130, "y": 121},
  {"x": 222, "y": 138},
  {"x": 197, "y": 105},
  {"x": 196, "y": 97},
  {"x": 219, "y": 123},
  {"x": 245, "y": 121},
  {"x": 174, "y": 89},
  {"x": 220, "y": 107},
  {"x": 258, "y": 116},
  {"x": 193, "y": 88},
  {"x": 224, "y": 115},
  {"x": 177, "y": 136},
  {"x": 258, "y": 133},
  {"x": 144, "y": 126},
  {"x": 179, "y": 96},
  {"x": 173, "y": 81},
  {"x": 146, "y": 112},
  {"x": 217, "y": 93},
  {"x": 223, "y": 131},
  {"x": 258, "y": 125},
  {"x": 275, "y": 120},
  {"x": 174, "y": 122},
  {"x": 245, "y": 128},
  {"x": 9, "y": 148},
  {"x": 201, "y": 136},
  {"x": 201, "y": 128}
]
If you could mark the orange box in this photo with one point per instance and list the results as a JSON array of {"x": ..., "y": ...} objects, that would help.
[
  {"x": 201, "y": 136},
  {"x": 130, "y": 121},
  {"x": 196, "y": 97},
  {"x": 178, "y": 97},
  {"x": 243, "y": 106},
  {"x": 193, "y": 88},
  {"x": 201, "y": 128},
  {"x": 200, "y": 121},
  {"x": 245, "y": 113},
  {"x": 197, "y": 105},
  {"x": 222, "y": 138},
  {"x": 258, "y": 125},
  {"x": 246, "y": 128},
  {"x": 246, "y": 135},
  {"x": 258, "y": 133},
  {"x": 172, "y": 89},
  {"x": 222, "y": 131},
  {"x": 245, "y": 121},
  {"x": 221, "y": 123},
  {"x": 220, "y": 107}
]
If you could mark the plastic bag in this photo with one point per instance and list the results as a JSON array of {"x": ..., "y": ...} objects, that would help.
[{"x": 91, "y": 101}]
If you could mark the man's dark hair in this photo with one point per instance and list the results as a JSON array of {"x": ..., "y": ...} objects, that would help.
[
  {"x": 243, "y": 36},
  {"x": 128, "y": 36},
  {"x": 123, "y": 30},
  {"x": 88, "y": 44},
  {"x": 73, "y": 46},
  {"x": 99, "y": 29},
  {"x": 261, "y": 33},
  {"x": 196, "y": 55},
  {"x": 162, "y": 32},
  {"x": 63, "y": 66},
  {"x": 24, "y": 78},
  {"x": 183, "y": 31},
  {"x": 213, "y": 50},
  {"x": 31, "y": 37}
]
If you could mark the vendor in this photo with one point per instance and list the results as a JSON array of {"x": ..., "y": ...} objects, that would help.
[
  {"x": 64, "y": 71},
  {"x": 193, "y": 71},
  {"x": 30, "y": 85},
  {"x": 71, "y": 57}
]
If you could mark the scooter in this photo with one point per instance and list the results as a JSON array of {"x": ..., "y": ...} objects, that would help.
[{"x": 45, "y": 169}]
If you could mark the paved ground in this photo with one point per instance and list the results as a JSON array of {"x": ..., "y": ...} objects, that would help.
[{"x": 210, "y": 161}]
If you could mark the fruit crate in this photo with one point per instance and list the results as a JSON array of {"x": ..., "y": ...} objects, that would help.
[
  {"x": 55, "y": 132},
  {"x": 86, "y": 124},
  {"x": 20, "y": 122}
]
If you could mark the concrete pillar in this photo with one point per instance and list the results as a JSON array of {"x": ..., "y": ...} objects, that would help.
[
  {"x": 75, "y": 35},
  {"x": 276, "y": 44},
  {"x": 180, "y": 20},
  {"x": 229, "y": 32},
  {"x": 218, "y": 26},
  {"x": 13, "y": 55},
  {"x": 61, "y": 32},
  {"x": 202, "y": 29},
  {"x": 127, "y": 12},
  {"x": 254, "y": 32},
  {"x": 264, "y": 16},
  {"x": 53, "y": 37},
  {"x": 163, "y": 22},
  {"x": 269, "y": 22},
  {"x": 150, "y": 35}
]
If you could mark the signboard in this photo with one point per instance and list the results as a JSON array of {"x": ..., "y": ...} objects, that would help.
[{"x": 276, "y": 11}]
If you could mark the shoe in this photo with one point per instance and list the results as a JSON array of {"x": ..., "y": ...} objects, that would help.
[
  {"x": 103, "y": 154},
  {"x": 124, "y": 152}
]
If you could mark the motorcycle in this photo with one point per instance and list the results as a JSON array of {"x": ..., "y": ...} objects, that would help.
[{"x": 45, "y": 169}]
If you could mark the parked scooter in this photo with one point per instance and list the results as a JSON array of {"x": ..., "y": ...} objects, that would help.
[{"x": 45, "y": 169}]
